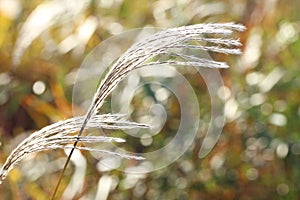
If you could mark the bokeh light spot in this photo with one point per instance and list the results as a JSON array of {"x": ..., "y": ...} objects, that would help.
[
  {"x": 252, "y": 174},
  {"x": 283, "y": 189},
  {"x": 38, "y": 87},
  {"x": 278, "y": 119},
  {"x": 282, "y": 150}
]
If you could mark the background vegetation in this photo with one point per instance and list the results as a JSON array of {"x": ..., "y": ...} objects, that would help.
[{"x": 257, "y": 156}]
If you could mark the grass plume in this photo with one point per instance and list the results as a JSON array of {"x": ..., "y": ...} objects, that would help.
[
  {"x": 147, "y": 52},
  {"x": 59, "y": 135}
]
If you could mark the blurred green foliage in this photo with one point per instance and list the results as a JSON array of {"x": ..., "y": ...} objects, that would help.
[{"x": 257, "y": 156}]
